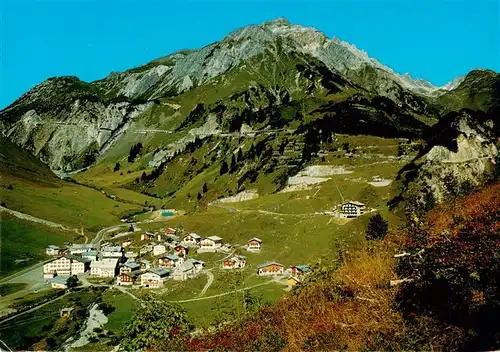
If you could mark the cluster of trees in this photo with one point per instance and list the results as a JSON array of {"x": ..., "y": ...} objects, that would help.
[
  {"x": 377, "y": 228},
  {"x": 156, "y": 326},
  {"x": 135, "y": 150},
  {"x": 454, "y": 270},
  {"x": 73, "y": 282},
  {"x": 225, "y": 168},
  {"x": 204, "y": 190}
]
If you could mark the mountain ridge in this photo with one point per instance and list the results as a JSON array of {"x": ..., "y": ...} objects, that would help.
[{"x": 269, "y": 77}]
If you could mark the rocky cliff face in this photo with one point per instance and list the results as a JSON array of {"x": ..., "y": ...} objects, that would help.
[
  {"x": 65, "y": 123},
  {"x": 460, "y": 157}
]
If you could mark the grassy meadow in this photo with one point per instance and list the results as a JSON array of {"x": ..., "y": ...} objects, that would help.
[
  {"x": 28, "y": 186},
  {"x": 35, "y": 237}
]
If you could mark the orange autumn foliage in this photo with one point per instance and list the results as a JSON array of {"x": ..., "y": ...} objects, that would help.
[{"x": 351, "y": 305}]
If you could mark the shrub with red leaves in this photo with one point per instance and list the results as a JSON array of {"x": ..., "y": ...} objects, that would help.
[{"x": 455, "y": 268}]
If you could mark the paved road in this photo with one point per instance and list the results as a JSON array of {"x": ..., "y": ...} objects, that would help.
[
  {"x": 100, "y": 235},
  {"x": 4, "y": 347},
  {"x": 209, "y": 282},
  {"x": 23, "y": 272}
]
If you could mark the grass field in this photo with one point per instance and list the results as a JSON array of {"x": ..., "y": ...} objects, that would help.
[
  {"x": 206, "y": 313},
  {"x": 8, "y": 289},
  {"x": 28, "y": 186},
  {"x": 285, "y": 238},
  {"x": 124, "y": 309},
  {"x": 34, "y": 238}
]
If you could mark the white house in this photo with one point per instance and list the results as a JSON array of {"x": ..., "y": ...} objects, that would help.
[
  {"x": 254, "y": 244},
  {"x": 59, "y": 282},
  {"x": 147, "y": 236},
  {"x": 170, "y": 231},
  {"x": 226, "y": 248},
  {"x": 238, "y": 261},
  {"x": 104, "y": 268},
  {"x": 181, "y": 250},
  {"x": 154, "y": 278},
  {"x": 128, "y": 278},
  {"x": 52, "y": 250},
  {"x": 129, "y": 267},
  {"x": 126, "y": 243},
  {"x": 170, "y": 261},
  {"x": 352, "y": 209},
  {"x": 184, "y": 271},
  {"x": 298, "y": 270},
  {"x": 191, "y": 240},
  {"x": 145, "y": 249},
  {"x": 112, "y": 252},
  {"x": 90, "y": 255},
  {"x": 60, "y": 266},
  {"x": 65, "y": 266},
  {"x": 79, "y": 265},
  {"x": 198, "y": 265},
  {"x": 159, "y": 249},
  {"x": 131, "y": 254},
  {"x": 145, "y": 264},
  {"x": 210, "y": 244}
]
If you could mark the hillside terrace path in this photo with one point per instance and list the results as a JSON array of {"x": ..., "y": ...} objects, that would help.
[
  {"x": 31, "y": 218},
  {"x": 209, "y": 282},
  {"x": 231, "y": 209},
  {"x": 223, "y": 294},
  {"x": 33, "y": 309}
]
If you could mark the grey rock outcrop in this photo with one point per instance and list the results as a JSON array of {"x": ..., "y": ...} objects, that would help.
[
  {"x": 65, "y": 123},
  {"x": 457, "y": 166}
]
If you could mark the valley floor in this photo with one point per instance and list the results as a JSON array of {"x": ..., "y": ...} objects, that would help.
[{"x": 296, "y": 227}]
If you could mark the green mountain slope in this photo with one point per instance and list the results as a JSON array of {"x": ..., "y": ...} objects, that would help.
[
  {"x": 30, "y": 187},
  {"x": 480, "y": 90}
]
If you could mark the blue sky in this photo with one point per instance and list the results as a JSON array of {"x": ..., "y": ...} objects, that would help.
[{"x": 432, "y": 39}]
